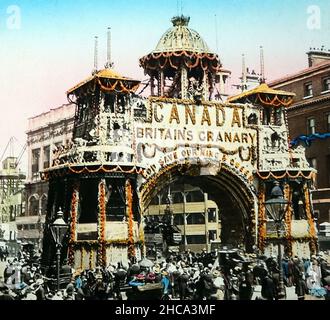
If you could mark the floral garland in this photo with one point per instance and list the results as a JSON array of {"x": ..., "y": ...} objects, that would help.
[
  {"x": 311, "y": 229},
  {"x": 262, "y": 218},
  {"x": 285, "y": 174},
  {"x": 101, "y": 222},
  {"x": 191, "y": 60},
  {"x": 288, "y": 219},
  {"x": 118, "y": 86},
  {"x": 276, "y": 101},
  {"x": 103, "y": 169},
  {"x": 129, "y": 212}
]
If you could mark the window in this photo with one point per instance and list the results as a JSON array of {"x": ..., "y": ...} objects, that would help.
[
  {"x": 212, "y": 235},
  {"x": 196, "y": 239},
  {"x": 308, "y": 92},
  {"x": 177, "y": 197},
  {"x": 35, "y": 161},
  {"x": 278, "y": 116},
  {"x": 178, "y": 219},
  {"x": 46, "y": 157},
  {"x": 328, "y": 122},
  {"x": 212, "y": 215},
  {"x": 196, "y": 218},
  {"x": 195, "y": 196},
  {"x": 326, "y": 84},
  {"x": 312, "y": 162},
  {"x": 311, "y": 126}
]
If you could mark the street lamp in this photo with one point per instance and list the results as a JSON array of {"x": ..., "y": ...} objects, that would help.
[
  {"x": 276, "y": 208},
  {"x": 58, "y": 228}
]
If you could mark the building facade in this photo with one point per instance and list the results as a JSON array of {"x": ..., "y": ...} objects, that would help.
[
  {"x": 309, "y": 122},
  {"x": 45, "y": 133},
  {"x": 196, "y": 216},
  {"x": 11, "y": 201}
]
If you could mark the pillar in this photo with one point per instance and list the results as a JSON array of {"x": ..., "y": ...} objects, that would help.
[
  {"x": 262, "y": 218},
  {"x": 130, "y": 219},
  {"x": 184, "y": 220},
  {"x": 288, "y": 218},
  {"x": 74, "y": 217},
  {"x": 205, "y": 87},
  {"x": 310, "y": 219},
  {"x": 101, "y": 257},
  {"x": 152, "y": 86},
  {"x": 184, "y": 83},
  {"x": 206, "y": 221},
  {"x": 161, "y": 84}
]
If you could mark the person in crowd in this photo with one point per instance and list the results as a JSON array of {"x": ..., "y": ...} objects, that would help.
[{"x": 301, "y": 287}]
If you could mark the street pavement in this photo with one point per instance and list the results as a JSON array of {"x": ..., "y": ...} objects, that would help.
[
  {"x": 290, "y": 293},
  {"x": 257, "y": 289}
]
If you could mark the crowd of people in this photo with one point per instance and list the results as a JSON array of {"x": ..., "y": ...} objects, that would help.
[{"x": 219, "y": 275}]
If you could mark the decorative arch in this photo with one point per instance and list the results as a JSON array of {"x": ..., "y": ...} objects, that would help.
[{"x": 226, "y": 186}]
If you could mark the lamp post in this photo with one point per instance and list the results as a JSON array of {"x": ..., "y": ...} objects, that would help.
[
  {"x": 276, "y": 208},
  {"x": 58, "y": 228}
]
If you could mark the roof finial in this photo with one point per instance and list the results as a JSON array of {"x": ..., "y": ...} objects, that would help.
[
  {"x": 109, "y": 63},
  {"x": 180, "y": 21},
  {"x": 95, "y": 55},
  {"x": 262, "y": 65}
]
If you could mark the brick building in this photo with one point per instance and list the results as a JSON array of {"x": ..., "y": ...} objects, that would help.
[
  {"x": 45, "y": 132},
  {"x": 309, "y": 121}
]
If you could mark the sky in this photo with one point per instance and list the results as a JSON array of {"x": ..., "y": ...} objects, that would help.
[{"x": 46, "y": 47}]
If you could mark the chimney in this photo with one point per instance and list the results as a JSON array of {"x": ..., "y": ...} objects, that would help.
[{"x": 318, "y": 56}]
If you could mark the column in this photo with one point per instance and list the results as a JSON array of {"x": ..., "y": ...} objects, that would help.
[
  {"x": 184, "y": 220},
  {"x": 206, "y": 221},
  {"x": 161, "y": 84},
  {"x": 184, "y": 83},
  {"x": 152, "y": 85},
  {"x": 205, "y": 87},
  {"x": 288, "y": 218},
  {"x": 221, "y": 84},
  {"x": 310, "y": 218},
  {"x": 74, "y": 217},
  {"x": 101, "y": 258},
  {"x": 217, "y": 221},
  {"x": 262, "y": 219},
  {"x": 130, "y": 218}
]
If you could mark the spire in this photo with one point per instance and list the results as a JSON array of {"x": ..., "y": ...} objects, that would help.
[
  {"x": 95, "y": 55},
  {"x": 244, "y": 75},
  {"x": 262, "y": 65},
  {"x": 109, "y": 63},
  {"x": 216, "y": 33}
]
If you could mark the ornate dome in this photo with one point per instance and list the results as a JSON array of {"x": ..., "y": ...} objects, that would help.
[{"x": 181, "y": 38}]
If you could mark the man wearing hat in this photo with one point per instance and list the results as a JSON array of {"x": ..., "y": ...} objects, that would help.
[
  {"x": 4, "y": 292},
  {"x": 39, "y": 290}
]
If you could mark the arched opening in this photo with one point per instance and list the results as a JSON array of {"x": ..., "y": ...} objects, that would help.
[{"x": 214, "y": 208}]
